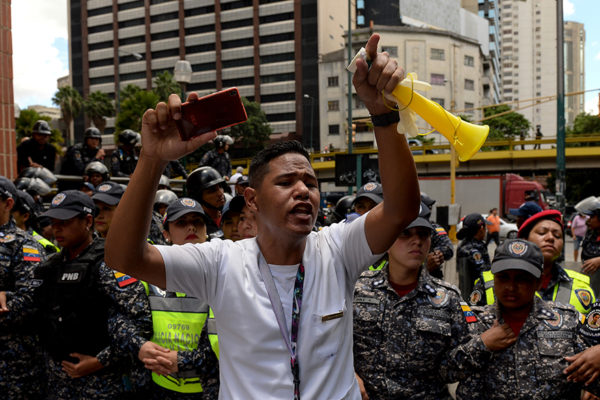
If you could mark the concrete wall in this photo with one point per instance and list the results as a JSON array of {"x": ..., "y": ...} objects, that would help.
[{"x": 8, "y": 151}]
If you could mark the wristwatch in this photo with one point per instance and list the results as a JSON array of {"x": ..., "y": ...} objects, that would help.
[{"x": 386, "y": 119}]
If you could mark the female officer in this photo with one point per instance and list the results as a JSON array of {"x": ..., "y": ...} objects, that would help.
[
  {"x": 183, "y": 364},
  {"x": 566, "y": 286},
  {"x": 79, "y": 300}
]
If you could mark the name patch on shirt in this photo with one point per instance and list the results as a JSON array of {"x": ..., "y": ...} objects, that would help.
[
  {"x": 555, "y": 335},
  {"x": 367, "y": 300}
]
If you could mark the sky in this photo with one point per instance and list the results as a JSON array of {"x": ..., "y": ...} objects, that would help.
[{"x": 40, "y": 48}]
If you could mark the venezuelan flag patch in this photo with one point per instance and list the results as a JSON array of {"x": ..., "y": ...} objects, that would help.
[
  {"x": 123, "y": 279},
  {"x": 468, "y": 314},
  {"x": 31, "y": 254},
  {"x": 441, "y": 231}
]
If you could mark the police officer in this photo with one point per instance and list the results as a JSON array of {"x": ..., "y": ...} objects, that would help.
[
  {"x": 406, "y": 322},
  {"x": 590, "y": 248},
  {"x": 367, "y": 197},
  {"x": 207, "y": 187},
  {"x": 219, "y": 157},
  {"x": 442, "y": 248},
  {"x": 519, "y": 346},
  {"x": 82, "y": 303},
  {"x": 106, "y": 198},
  {"x": 525, "y": 211},
  {"x": 81, "y": 154},
  {"x": 342, "y": 208},
  {"x": 36, "y": 188},
  {"x": 162, "y": 200},
  {"x": 180, "y": 355},
  {"x": 26, "y": 217},
  {"x": 36, "y": 151},
  {"x": 124, "y": 159},
  {"x": 21, "y": 363},
  {"x": 95, "y": 173},
  {"x": 565, "y": 286},
  {"x": 472, "y": 256}
]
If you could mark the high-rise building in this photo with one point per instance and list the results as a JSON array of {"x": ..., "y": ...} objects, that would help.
[
  {"x": 529, "y": 60},
  {"x": 574, "y": 38},
  {"x": 269, "y": 49},
  {"x": 8, "y": 141}
]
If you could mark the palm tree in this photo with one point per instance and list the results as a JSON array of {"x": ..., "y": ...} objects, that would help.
[
  {"x": 165, "y": 85},
  {"x": 97, "y": 107},
  {"x": 70, "y": 102}
]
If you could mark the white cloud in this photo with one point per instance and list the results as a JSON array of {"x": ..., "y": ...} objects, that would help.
[
  {"x": 36, "y": 25},
  {"x": 568, "y": 8},
  {"x": 591, "y": 105}
]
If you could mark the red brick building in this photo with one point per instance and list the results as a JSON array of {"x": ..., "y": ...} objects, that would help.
[{"x": 8, "y": 150}]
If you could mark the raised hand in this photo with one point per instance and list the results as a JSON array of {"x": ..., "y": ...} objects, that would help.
[
  {"x": 160, "y": 138},
  {"x": 384, "y": 74}
]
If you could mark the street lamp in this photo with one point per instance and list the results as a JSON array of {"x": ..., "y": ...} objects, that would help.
[
  {"x": 312, "y": 114},
  {"x": 183, "y": 75},
  {"x": 135, "y": 55}
]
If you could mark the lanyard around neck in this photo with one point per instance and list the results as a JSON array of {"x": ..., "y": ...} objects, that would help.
[{"x": 290, "y": 340}]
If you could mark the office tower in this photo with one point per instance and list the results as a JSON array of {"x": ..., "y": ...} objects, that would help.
[{"x": 574, "y": 70}]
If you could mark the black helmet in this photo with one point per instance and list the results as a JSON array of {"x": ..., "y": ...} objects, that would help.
[
  {"x": 343, "y": 207},
  {"x": 42, "y": 128},
  {"x": 25, "y": 203},
  {"x": 128, "y": 137},
  {"x": 98, "y": 168},
  {"x": 202, "y": 178},
  {"x": 222, "y": 140},
  {"x": 429, "y": 202},
  {"x": 39, "y": 172},
  {"x": 33, "y": 186},
  {"x": 93, "y": 133}
]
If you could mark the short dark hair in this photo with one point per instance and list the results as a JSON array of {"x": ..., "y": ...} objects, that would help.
[{"x": 259, "y": 166}]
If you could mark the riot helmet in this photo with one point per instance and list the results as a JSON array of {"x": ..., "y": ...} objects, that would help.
[
  {"x": 96, "y": 167},
  {"x": 128, "y": 137},
  {"x": 33, "y": 186},
  {"x": 202, "y": 178},
  {"x": 41, "y": 127},
  {"x": 343, "y": 207},
  {"x": 164, "y": 182},
  {"x": 39, "y": 172}
]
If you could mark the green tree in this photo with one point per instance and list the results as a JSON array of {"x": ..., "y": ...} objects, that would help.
[
  {"x": 133, "y": 109},
  {"x": 505, "y": 127},
  {"x": 128, "y": 91},
  {"x": 254, "y": 134},
  {"x": 584, "y": 125},
  {"x": 97, "y": 107},
  {"x": 24, "y": 127},
  {"x": 165, "y": 85},
  {"x": 70, "y": 102}
]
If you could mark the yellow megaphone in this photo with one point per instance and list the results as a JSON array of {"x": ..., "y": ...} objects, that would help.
[{"x": 465, "y": 137}]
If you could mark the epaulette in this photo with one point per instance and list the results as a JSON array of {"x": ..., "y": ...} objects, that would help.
[
  {"x": 445, "y": 284},
  {"x": 370, "y": 273}
]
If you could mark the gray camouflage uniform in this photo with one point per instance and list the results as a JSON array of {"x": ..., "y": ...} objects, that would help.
[
  {"x": 401, "y": 343},
  {"x": 529, "y": 369},
  {"x": 440, "y": 241},
  {"x": 590, "y": 248},
  {"x": 21, "y": 362}
]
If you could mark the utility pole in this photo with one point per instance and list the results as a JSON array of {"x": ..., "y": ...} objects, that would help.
[
  {"x": 560, "y": 109},
  {"x": 350, "y": 56}
]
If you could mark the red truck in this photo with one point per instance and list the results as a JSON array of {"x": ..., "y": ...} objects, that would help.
[{"x": 482, "y": 193}]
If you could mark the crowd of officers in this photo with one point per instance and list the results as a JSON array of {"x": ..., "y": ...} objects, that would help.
[{"x": 73, "y": 328}]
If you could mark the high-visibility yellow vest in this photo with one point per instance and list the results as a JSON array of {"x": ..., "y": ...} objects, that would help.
[
  {"x": 576, "y": 292},
  {"x": 211, "y": 327},
  {"x": 177, "y": 325},
  {"x": 48, "y": 245}
]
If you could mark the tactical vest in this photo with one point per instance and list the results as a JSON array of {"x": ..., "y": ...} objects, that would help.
[
  {"x": 574, "y": 292},
  {"x": 74, "y": 313},
  {"x": 177, "y": 324},
  {"x": 46, "y": 244}
]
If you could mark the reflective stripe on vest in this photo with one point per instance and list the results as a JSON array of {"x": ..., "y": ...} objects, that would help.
[
  {"x": 488, "y": 284},
  {"x": 377, "y": 267},
  {"x": 177, "y": 325},
  {"x": 44, "y": 242},
  {"x": 211, "y": 327}
]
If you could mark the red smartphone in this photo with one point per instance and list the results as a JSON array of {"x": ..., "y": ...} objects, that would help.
[{"x": 213, "y": 112}]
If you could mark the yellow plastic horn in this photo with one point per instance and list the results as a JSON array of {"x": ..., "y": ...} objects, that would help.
[{"x": 466, "y": 138}]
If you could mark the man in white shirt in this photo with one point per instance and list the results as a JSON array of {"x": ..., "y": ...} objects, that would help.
[{"x": 313, "y": 274}]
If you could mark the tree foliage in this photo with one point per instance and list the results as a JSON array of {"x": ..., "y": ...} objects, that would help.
[
  {"x": 585, "y": 124},
  {"x": 165, "y": 85},
  {"x": 24, "y": 127},
  {"x": 70, "y": 102},
  {"x": 133, "y": 108},
  {"x": 254, "y": 134},
  {"x": 98, "y": 106},
  {"x": 505, "y": 127}
]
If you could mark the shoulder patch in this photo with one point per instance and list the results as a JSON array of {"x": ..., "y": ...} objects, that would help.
[
  {"x": 7, "y": 238},
  {"x": 31, "y": 254},
  {"x": 476, "y": 255},
  {"x": 467, "y": 313},
  {"x": 123, "y": 279},
  {"x": 440, "y": 298},
  {"x": 584, "y": 296},
  {"x": 475, "y": 297},
  {"x": 555, "y": 320},
  {"x": 593, "y": 320}
]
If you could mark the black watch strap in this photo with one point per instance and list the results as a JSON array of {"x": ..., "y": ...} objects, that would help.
[{"x": 386, "y": 119}]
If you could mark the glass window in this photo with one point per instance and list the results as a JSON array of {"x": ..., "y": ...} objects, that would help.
[
  {"x": 333, "y": 105},
  {"x": 439, "y": 100},
  {"x": 438, "y": 54},
  {"x": 360, "y": 20},
  {"x": 333, "y": 81},
  {"x": 392, "y": 50},
  {"x": 469, "y": 61},
  {"x": 438, "y": 79},
  {"x": 334, "y": 129},
  {"x": 469, "y": 84}
]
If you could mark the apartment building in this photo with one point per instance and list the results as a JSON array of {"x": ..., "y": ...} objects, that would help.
[
  {"x": 269, "y": 49},
  {"x": 574, "y": 39}
]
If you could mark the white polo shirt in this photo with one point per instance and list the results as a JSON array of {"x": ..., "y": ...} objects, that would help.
[{"x": 254, "y": 360}]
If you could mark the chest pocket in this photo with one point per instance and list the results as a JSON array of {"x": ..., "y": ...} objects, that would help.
[
  {"x": 329, "y": 330},
  {"x": 429, "y": 337},
  {"x": 553, "y": 346}
]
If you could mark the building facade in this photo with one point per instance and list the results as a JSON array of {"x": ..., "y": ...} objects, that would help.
[
  {"x": 574, "y": 37},
  {"x": 269, "y": 49},
  {"x": 8, "y": 149}
]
